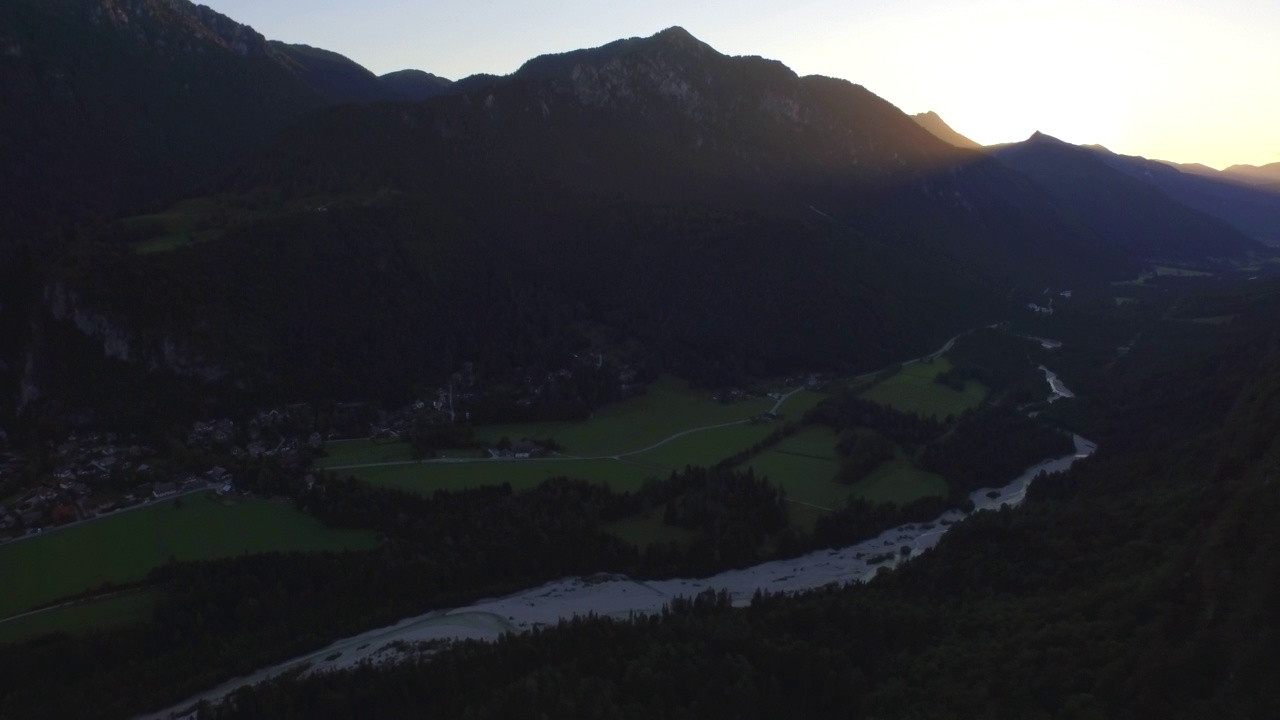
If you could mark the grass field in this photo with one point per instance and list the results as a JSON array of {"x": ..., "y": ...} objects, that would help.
[
  {"x": 522, "y": 474},
  {"x": 816, "y": 441},
  {"x": 125, "y": 547},
  {"x": 802, "y": 402},
  {"x": 805, "y": 466},
  {"x": 914, "y": 390},
  {"x": 100, "y": 613},
  {"x": 670, "y": 406},
  {"x": 898, "y": 481},
  {"x": 642, "y": 531},
  {"x": 705, "y": 448},
  {"x": 806, "y": 480},
  {"x": 183, "y": 224}
]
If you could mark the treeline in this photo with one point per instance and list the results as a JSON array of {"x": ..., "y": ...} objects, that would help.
[{"x": 775, "y": 436}]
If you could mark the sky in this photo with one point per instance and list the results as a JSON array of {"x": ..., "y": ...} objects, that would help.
[{"x": 1179, "y": 80}]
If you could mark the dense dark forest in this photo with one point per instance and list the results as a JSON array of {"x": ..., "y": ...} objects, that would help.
[
  {"x": 1141, "y": 584},
  {"x": 1094, "y": 566}
]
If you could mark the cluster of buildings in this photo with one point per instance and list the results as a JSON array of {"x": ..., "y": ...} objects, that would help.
[
  {"x": 39, "y": 508},
  {"x": 98, "y": 458}
]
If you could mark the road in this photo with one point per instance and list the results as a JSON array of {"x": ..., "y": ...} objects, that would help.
[{"x": 144, "y": 504}]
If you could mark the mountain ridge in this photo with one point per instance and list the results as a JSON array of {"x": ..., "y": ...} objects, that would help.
[
  {"x": 1128, "y": 211},
  {"x": 934, "y": 123}
]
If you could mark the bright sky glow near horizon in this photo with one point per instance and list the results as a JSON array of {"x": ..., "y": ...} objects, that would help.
[{"x": 1180, "y": 80}]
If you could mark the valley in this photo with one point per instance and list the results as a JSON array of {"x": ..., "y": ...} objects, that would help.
[{"x": 645, "y": 380}]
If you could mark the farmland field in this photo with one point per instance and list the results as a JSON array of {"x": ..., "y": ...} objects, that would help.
[
  {"x": 805, "y": 466},
  {"x": 815, "y": 441},
  {"x": 426, "y": 478},
  {"x": 670, "y": 406},
  {"x": 98, "y": 613},
  {"x": 806, "y": 480},
  {"x": 898, "y": 481},
  {"x": 705, "y": 448},
  {"x": 125, "y": 547},
  {"x": 914, "y": 390}
]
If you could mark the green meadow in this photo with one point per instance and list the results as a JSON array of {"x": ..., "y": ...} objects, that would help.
[
  {"x": 805, "y": 466},
  {"x": 900, "y": 482},
  {"x": 670, "y": 406},
  {"x": 704, "y": 448},
  {"x": 647, "y": 529},
  {"x": 427, "y": 478},
  {"x": 123, "y": 548},
  {"x": 98, "y": 613},
  {"x": 620, "y": 446},
  {"x": 913, "y": 390}
]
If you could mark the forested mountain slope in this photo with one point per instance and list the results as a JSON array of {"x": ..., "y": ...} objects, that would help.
[
  {"x": 732, "y": 218},
  {"x": 1252, "y": 208},
  {"x": 135, "y": 100},
  {"x": 1129, "y": 212}
]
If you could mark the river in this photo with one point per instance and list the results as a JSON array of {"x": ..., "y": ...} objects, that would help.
[
  {"x": 621, "y": 597},
  {"x": 1059, "y": 390}
]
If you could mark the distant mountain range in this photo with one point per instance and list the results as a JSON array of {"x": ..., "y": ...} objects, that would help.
[
  {"x": 1244, "y": 196},
  {"x": 1268, "y": 175},
  {"x": 347, "y": 233},
  {"x": 1122, "y": 205}
]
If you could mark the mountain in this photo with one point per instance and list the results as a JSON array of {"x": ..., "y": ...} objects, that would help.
[
  {"x": 120, "y": 107},
  {"x": 341, "y": 80},
  {"x": 1128, "y": 212},
  {"x": 415, "y": 84},
  {"x": 336, "y": 78},
  {"x": 1254, "y": 174},
  {"x": 721, "y": 214},
  {"x": 1252, "y": 209},
  {"x": 934, "y": 123},
  {"x": 136, "y": 100}
]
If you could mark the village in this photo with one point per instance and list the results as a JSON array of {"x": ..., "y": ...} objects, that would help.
[{"x": 92, "y": 473}]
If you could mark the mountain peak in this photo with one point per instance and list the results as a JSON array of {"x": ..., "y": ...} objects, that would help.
[
  {"x": 934, "y": 123},
  {"x": 677, "y": 37},
  {"x": 675, "y": 33},
  {"x": 1038, "y": 136}
]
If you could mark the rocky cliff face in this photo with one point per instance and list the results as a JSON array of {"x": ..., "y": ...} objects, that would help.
[
  {"x": 180, "y": 25},
  {"x": 121, "y": 343}
]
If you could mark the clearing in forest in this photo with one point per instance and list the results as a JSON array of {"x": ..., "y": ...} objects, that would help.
[{"x": 914, "y": 390}]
